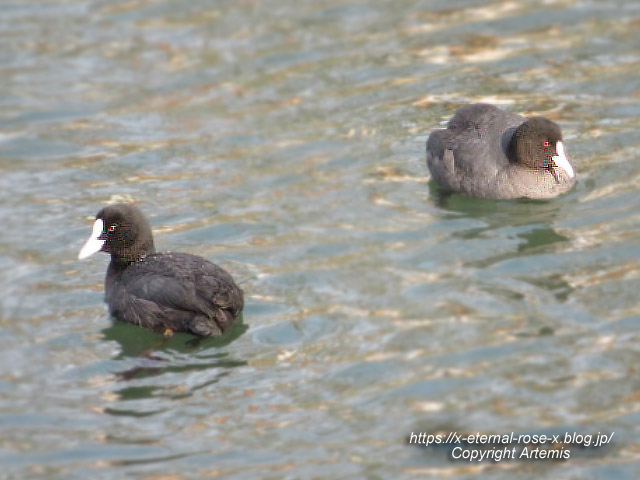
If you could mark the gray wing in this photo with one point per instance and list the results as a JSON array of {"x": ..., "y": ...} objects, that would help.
[
  {"x": 441, "y": 160},
  {"x": 184, "y": 282},
  {"x": 469, "y": 155}
]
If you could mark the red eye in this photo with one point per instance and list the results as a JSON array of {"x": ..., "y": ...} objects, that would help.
[
  {"x": 113, "y": 228},
  {"x": 546, "y": 143}
]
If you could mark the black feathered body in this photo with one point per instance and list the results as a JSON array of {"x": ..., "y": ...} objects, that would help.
[
  {"x": 470, "y": 156},
  {"x": 183, "y": 292}
]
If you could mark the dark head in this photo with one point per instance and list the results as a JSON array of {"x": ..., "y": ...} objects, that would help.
[
  {"x": 121, "y": 230},
  {"x": 537, "y": 143}
]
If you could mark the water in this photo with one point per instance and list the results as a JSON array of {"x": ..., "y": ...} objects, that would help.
[{"x": 285, "y": 141}]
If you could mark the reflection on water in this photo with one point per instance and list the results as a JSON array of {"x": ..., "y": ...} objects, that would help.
[
  {"x": 161, "y": 364},
  {"x": 286, "y": 142},
  {"x": 135, "y": 342}
]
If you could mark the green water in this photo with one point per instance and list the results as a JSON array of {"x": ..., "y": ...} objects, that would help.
[{"x": 285, "y": 141}]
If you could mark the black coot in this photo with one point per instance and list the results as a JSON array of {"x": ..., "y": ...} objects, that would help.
[
  {"x": 491, "y": 153},
  {"x": 162, "y": 291}
]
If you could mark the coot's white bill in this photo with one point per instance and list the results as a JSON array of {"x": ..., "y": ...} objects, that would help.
[
  {"x": 561, "y": 160},
  {"x": 94, "y": 244}
]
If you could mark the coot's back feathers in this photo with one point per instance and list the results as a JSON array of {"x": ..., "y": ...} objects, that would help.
[{"x": 176, "y": 291}]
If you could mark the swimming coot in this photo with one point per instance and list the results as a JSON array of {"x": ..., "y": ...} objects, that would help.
[
  {"x": 163, "y": 291},
  {"x": 491, "y": 153}
]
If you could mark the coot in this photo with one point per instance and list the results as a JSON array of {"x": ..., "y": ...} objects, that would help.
[
  {"x": 491, "y": 153},
  {"x": 162, "y": 291}
]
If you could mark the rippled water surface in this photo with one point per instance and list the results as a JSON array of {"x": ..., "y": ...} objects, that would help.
[{"x": 285, "y": 141}]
